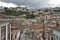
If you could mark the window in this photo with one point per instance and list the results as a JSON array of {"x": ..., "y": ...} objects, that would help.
[
  {"x": 57, "y": 37},
  {"x": 15, "y": 36},
  {"x": 3, "y": 33},
  {"x": 48, "y": 38},
  {"x": 54, "y": 36},
  {"x": 11, "y": 36},
  {"x": 8, "y": 31},
  {"x": 51, "y": 38}
]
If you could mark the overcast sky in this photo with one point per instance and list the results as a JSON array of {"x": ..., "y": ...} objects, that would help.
[{"x": 30, "y": 3}]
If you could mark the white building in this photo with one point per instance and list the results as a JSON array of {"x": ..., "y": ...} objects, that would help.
[
  {"x": 56, "y": 33},
  {"x": 1, "y": 8},
  {"x": 5, "y": 30}
]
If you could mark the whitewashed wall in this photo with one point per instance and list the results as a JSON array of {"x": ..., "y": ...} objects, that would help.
[{"x": 56, "y": 33}]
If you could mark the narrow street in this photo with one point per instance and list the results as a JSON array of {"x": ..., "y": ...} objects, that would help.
[{"x": 27, "y": 35}]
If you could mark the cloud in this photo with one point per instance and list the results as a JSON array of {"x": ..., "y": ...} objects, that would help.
[
  {"x": 4, "y": 4},
  {"x": 22, "y": 6},
  {"x": 33, "y": 3},
  {"x": 54, "y": 3},
  {"x": 29, "y": 3}
]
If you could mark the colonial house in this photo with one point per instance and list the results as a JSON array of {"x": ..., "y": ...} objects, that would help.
[{"x": 21, "y": 9}]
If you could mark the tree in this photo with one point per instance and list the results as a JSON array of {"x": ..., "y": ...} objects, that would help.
[
  {"x": 30, "y": 16},
  {"x": 46, "y": 10}
]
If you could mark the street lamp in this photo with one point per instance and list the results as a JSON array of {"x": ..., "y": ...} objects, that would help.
[
  {"x": 43, "y": 30},
  {"x": 44, "y": 24}
]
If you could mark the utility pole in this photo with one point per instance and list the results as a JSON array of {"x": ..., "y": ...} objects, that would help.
[
  {"x": 43, "y": 30},
  {"x": 43, "y": 14},
  {"x": 43, "y": 26}
]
